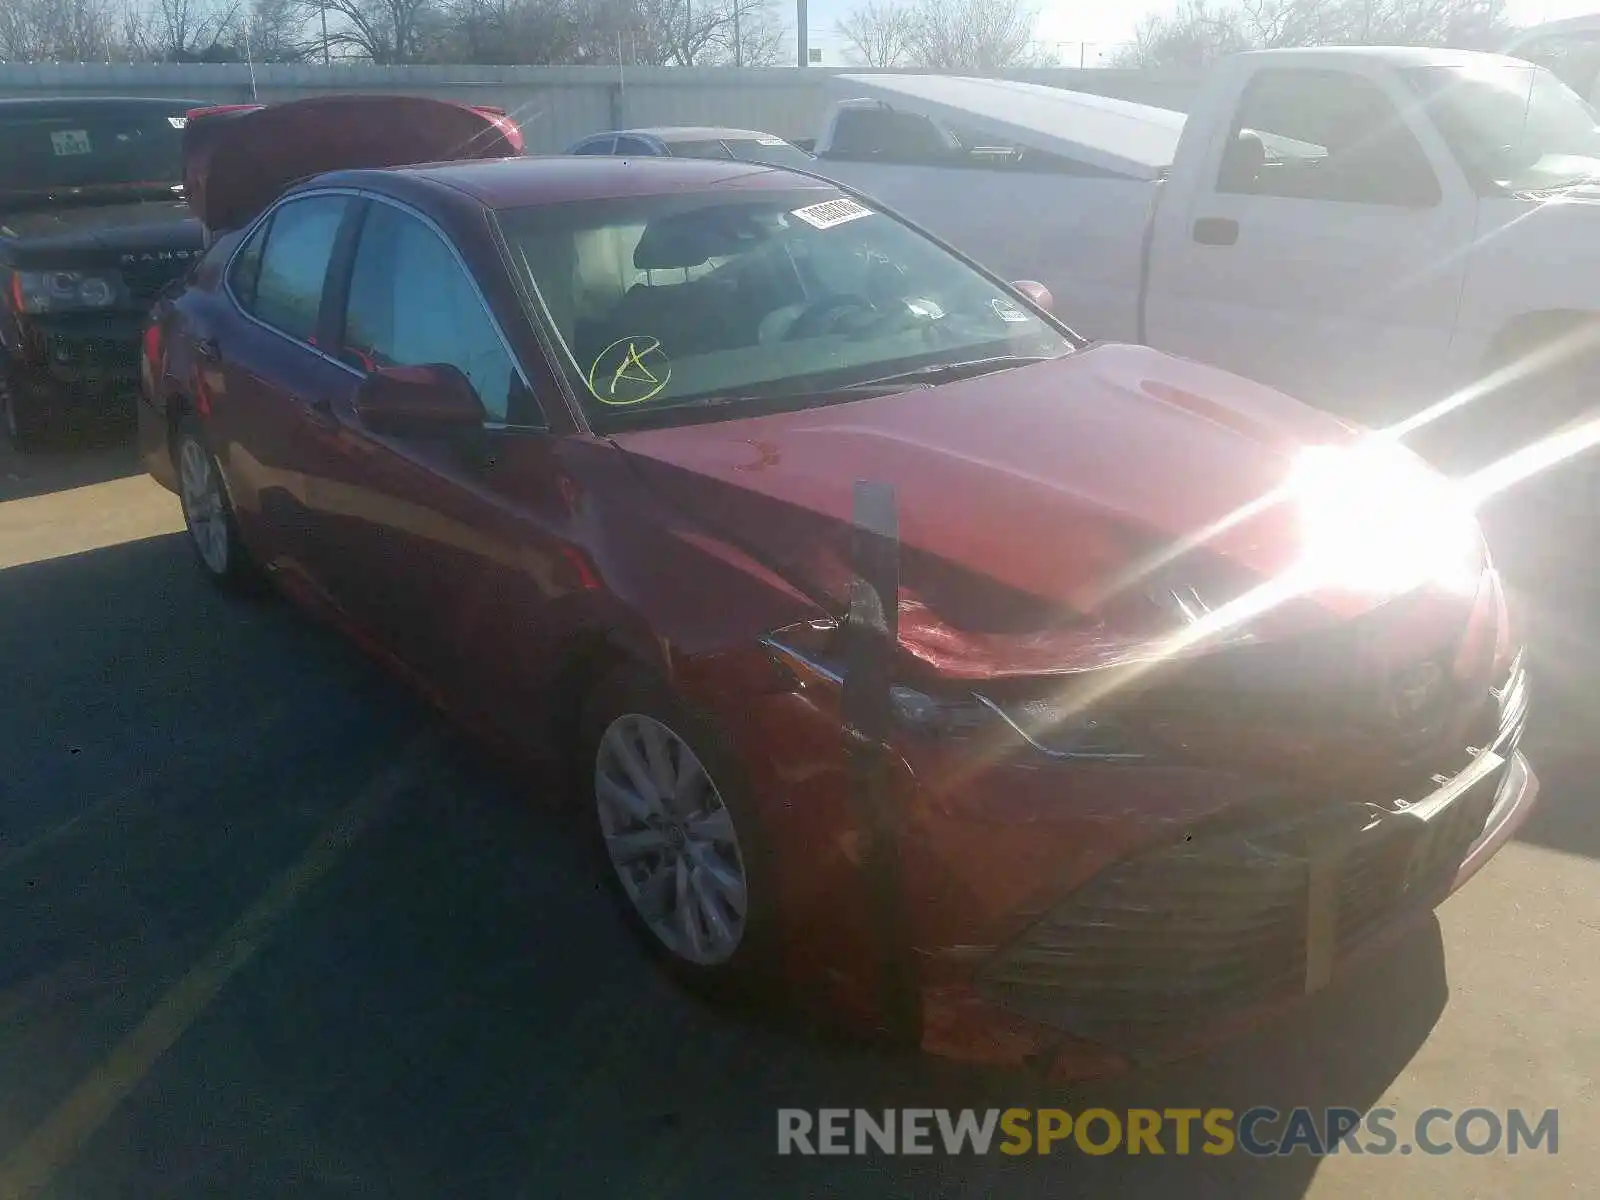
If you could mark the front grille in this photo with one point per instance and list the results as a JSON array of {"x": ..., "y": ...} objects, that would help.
[
  {"x": 1176, "y": 939},
  {"x": 93, "y": 359}
]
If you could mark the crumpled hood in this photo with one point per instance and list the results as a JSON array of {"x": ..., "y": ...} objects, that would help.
[{"x": 1024, "y": 498}]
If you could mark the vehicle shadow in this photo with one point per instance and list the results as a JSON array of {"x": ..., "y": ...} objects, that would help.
[
  {"x": 460, "y": 1011},
  {"x": 1554, "y": 595},
  {"x": 61, "y": 468},
  {"x": 456, "y": 1009}
]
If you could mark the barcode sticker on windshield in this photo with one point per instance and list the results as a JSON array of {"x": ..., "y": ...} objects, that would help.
[
  {"x": 832, "y": 212},
  {"x": 67, "y": 142},
  {"x": 177, "y": 122},
  {"x": 771, "y": 141}
]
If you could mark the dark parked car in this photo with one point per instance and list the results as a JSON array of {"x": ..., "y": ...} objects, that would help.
[
  {"x": 92, "y": 226},
  {"x": 686, "y": 141},
  {"x": 1196, "y": 695}
]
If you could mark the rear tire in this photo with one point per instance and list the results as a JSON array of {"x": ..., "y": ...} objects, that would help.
[
  {"x": 677, "y": 835},
  {"x": 208, "y": 514}
]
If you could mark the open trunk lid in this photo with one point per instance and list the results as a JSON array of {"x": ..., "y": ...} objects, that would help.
[{"x": 237, "y": 158}]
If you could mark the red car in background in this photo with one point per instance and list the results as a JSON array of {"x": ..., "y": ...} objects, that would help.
[{"x": 1185, "y": 694}]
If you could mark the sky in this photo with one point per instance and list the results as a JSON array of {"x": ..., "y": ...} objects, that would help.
[{"x": 1101, "y": 25}]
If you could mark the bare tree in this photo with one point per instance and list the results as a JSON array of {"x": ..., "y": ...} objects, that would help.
[
  {"x": 278, "y": 31},
  {"x": 1190, "y": 37},
  {"x": 186, "y": 30},
  {"x": 1200, "y": 31},
  {"x": 383, "y": 31},
  {"x": 512, "y": 32},
  {"x": 754, "y": 34},
  {"x": 61, "y": 31},
  {"x": 682, "y": 33},
  {"x": 877, "y": 33},
  {"x": 974, "y": 35}
]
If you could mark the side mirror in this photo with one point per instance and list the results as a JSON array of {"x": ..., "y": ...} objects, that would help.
[
  {"x": 432, "y": 399},
  {"x": 1037, "y": 292}
]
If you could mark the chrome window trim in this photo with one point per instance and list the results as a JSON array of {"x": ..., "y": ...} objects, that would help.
[
  {"x": 483, "y": 304},
  {"x": 402, "y": 206},
  {"x": 250, "y": 232},
  {"x": 540, "y": 320}
]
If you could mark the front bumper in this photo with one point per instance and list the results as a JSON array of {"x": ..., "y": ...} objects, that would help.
[
  {"x": 1087, "y": 917},
  {"x": 1181, "y": 946},
  {"x": 77, "y": 366}
]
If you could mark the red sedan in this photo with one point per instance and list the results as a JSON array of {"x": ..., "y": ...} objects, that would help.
[{"x": 1186, "y": 695}]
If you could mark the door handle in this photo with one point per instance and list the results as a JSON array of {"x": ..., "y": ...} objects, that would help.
[
  {"x": 208, "y": 349},
  {"x": 1216, "y": 231},
  {"x": 321, "y": 411}
]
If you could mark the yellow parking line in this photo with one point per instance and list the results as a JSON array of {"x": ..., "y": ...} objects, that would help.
[{"x": 64, "y": 1132}]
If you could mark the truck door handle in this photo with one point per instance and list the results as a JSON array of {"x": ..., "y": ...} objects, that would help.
[
  {"x": 1216, "y": 231},
  {"x": 208, "y": 349}
]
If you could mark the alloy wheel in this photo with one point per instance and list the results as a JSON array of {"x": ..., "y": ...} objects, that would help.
[
  {"x": 671, "y": 839},
  {"x": 203, "y": 508}
]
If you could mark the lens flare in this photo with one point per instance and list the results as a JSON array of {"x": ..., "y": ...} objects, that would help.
[{"x": 1376, "y": 519}]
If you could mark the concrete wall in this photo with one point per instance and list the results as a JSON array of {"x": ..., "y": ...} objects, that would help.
[{"x": 554, "y": 105}]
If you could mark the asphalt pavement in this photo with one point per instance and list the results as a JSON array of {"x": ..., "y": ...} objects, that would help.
[{"x": 271, "y": 930}]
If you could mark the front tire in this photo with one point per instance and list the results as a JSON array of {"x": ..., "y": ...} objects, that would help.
[
  {"x": 208, "y": 514},
  {"x": 678, "y": 835}
]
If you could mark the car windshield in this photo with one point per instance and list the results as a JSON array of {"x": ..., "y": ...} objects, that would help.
[
  {"x": 1514, "y": 125},
  {"x": 773, "y": 151},
  {"x": 668, "y": 302},
  {"x": 42, "y": 154}
]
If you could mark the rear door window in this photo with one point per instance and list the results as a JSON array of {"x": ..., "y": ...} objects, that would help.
[
  {"x": 245, "y": 269},
  {"x": 634, "y": 147},
  {"x": 294, "y": 264}
]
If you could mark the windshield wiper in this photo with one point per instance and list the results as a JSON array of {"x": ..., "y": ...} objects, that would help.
[
  {"x": 948, "y": 372},
  {"x": 899, "y": 381}
]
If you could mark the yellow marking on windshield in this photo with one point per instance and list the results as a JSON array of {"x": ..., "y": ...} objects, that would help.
[{"x": 630, "y": 370}]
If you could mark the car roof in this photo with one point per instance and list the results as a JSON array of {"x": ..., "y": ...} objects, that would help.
[
  {"x": 695, "y": 133},
  {"x": 46, "y": 105},
  {"x": 1396, "y": 56},
  {"x": 557, "y": 178}
]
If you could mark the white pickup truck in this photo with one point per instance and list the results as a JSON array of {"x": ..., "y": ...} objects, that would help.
[{"x": 1369, "y": 229}]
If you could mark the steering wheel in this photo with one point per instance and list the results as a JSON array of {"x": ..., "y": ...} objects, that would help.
[{"x": 819, "y": 316}]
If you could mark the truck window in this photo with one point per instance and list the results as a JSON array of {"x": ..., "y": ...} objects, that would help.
[
  {"x": 1324, "y": 135},
  {"x": 1574, "y": 60},
  {"x": 884, "y": 135}
]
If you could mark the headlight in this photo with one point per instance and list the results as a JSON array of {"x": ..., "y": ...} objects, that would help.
[
  {"x": 1375, "y": 518},
  {"x": 58, "y": 291},
  {"x": 1055, "y": 729}
]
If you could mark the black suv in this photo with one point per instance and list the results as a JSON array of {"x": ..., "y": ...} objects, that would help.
[{"x": 93, "y": 225}]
